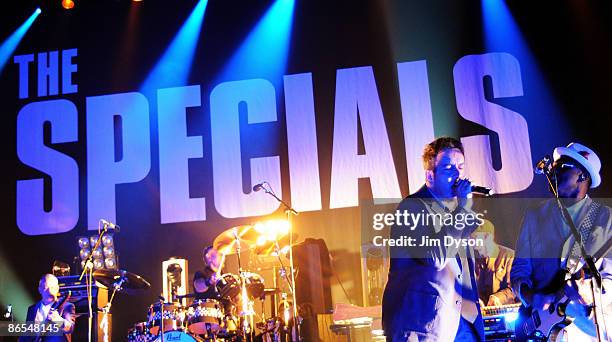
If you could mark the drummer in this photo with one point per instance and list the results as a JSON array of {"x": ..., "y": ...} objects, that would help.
[{"x": 204, "y": 281}]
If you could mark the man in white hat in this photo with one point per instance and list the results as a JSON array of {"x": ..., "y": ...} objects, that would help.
[{"x": 546, "y": 244}]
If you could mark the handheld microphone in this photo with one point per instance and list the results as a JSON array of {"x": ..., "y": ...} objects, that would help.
[
  {"x": 259, "y": 186},
  {"x": 543, "y": 165},
  {"x": 110, "y": 225},
  {"x": 477, "y": 189},
  {"x": 482, "y": 190}
]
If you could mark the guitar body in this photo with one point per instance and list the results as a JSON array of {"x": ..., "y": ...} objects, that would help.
[{"x": 547, "y": 325}]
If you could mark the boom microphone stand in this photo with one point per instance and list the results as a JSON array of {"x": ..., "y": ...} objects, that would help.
[
  {"x": 88, "y": 272},
  {"x": 290, "y": 212}
]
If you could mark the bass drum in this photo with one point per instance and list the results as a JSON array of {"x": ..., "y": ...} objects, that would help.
[{"x": 178, "y": 336}]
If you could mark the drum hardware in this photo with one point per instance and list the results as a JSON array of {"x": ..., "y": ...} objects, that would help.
[
  {"x": 139, "y": 333},
  {"x": 246, "y": 314},
  {"x": 289, "y": 211},
  {"x": 231, "y": 316},
  {"x": 120, "y": 281}
]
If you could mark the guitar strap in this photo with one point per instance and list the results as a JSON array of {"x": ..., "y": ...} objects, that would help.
[{"x": 585, "y": 229}]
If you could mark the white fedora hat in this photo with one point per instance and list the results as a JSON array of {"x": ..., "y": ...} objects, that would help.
[{"x": 585, "y": 156}]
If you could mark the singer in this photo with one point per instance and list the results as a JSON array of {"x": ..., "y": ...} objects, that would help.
[
  {"x": 431, "y": 294},
  {"x": 546, "y": 244}
]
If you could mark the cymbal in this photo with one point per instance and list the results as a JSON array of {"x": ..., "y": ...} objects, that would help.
[
  {"x": 226, "y": 242},
  {"x": 132, "y": 283},
  {"x": 269, "y": 247}
]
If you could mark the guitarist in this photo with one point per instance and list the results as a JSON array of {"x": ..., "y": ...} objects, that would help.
[
  {"x": 47, "y": 310},
  {"x": 546, "y": 244}
]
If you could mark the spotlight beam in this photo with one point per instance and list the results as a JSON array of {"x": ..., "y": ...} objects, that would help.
[
  {"x": 10, "y": 44},
  {"x": 264, "y": 53},
  {"x": 173, "y": 67}
]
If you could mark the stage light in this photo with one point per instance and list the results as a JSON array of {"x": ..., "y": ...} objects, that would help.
[
  {"x": 67, "y": 4},
  {"x": 98, "y": 264},
  {"x": 104, "y": 256},
  {"x": 503, "y": 34},
  {"x": 83, "y": 242},
  {"x": 97, "y": 253},
  {"x": 110, "y": 263},
  {"x": 107, "y": 240},
  {"x": 109, "y": 252},
  {"x": 10, "y": 44},
  {"x": 263, "y": 54},
  {"x": 273, "y": 229},
  {"x": 172, "y": 69},
  {"x": 84, "y": 253}
]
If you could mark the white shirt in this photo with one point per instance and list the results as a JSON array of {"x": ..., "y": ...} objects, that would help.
[{"x": 42, "y": 312}]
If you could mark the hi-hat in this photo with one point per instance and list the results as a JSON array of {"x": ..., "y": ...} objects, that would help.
[{"x": 227, "y": 243}]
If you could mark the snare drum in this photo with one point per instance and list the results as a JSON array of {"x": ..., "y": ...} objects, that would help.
[
  {"x": 173, "y": 316},
  {"x": 204, "y": 317},
  {"x": 139, "y": 333}
]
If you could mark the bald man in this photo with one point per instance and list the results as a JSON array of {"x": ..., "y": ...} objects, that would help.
[{"x": 44, "y": 311}]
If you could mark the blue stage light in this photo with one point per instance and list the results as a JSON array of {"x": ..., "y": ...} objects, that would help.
[
  {"x": 173, "y": 67},
  {"x": 538, "y": 105},
  {"x": 264, "y": 53},
  {"x": 10, "y": 44}
]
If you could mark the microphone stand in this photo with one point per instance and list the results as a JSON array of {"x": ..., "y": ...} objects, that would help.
[
  {"x": 588, "y": 259},
  {"x": 88, "y": 271},
  {"x": 290, "y": 212}
]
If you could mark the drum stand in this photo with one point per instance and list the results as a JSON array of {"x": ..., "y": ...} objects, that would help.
[
  {"x": 106, "y": 309},
  {"x": 246, "y": 314}
]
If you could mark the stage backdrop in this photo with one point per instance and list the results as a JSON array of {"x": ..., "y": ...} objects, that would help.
[{"x": 162, "y": 116}]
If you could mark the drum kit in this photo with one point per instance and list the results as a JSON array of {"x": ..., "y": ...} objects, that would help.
[{"x": 230, "y": 314}]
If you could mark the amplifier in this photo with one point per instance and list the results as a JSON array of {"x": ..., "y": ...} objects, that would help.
[
  {"x": 499, "y": 322},
  {"x": 78, "y": 289}
]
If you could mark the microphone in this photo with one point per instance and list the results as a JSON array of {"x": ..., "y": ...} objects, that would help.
[
  {"x": 110, "y": 225},
  {"x": 543, "y": 165},
  {"x": 482, "y": 190},
  {"x": 259, "y": 186}
]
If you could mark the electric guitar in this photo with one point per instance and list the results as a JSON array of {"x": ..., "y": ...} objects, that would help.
[
  {"x": 57, "y": 304},
  {"x": 546, "y": 325}
]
